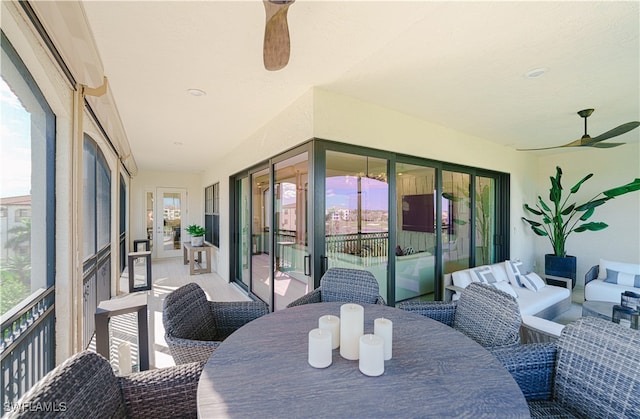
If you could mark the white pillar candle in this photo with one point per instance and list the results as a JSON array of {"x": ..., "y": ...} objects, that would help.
[
  {"x": 384, "y": 328},
  {"x": 332, "y": 324},
  {"x": 124, "y": 358},
  {"x": 351, "y": 328},
  {"x": 319, "y": 348},
  {"x": 371, "y": 355}
]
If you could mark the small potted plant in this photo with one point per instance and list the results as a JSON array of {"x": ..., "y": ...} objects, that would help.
[{"x": 197, "y": 234}]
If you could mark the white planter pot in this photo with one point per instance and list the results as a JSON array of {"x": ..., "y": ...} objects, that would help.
[{"x": 197, "y": 241}]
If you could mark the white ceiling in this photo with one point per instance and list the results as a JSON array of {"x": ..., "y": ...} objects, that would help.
[{"x": 458, "y": 64}]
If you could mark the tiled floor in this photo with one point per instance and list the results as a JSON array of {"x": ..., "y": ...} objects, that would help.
[{"x": 170, "y": 274}]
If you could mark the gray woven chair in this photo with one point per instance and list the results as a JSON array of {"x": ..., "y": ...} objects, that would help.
[
  {"x": 344, "y": 285},
  {"x": 591, "y": 371},
  {"x": 84, "y": 386},
  {"x": 485, "y": 314},
  {"x": 194, "y": 326}
]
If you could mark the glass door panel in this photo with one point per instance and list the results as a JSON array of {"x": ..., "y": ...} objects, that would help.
[
  {"x": 169, "y": 225},
  {"x": 260, "y": 227},
  {"x": 416, "y": 228},
  {"x": 149, "y": 218},
  {"x": 456, "y": 220},
  {"x": 291, "y": 270},
  {"x": 485, "y": 220},
  {"x": 357, "y": 214},
  {"x": 244, "y": 231}
]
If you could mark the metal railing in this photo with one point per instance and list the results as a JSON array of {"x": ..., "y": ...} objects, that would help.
[
  {"x": 28, "y": 345},
  {"x": 371, "y": 248}
]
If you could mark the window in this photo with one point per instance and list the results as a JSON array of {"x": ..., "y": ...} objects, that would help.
[
  {"x": 27, "y": 229},
  {"x": 96, "y": 204},
  {"x": 27, "y": 191},
  {"x": 212, "y": 214}
]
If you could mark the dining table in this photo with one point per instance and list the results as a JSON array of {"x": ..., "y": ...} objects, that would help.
[{"x": 262, "y": 370}]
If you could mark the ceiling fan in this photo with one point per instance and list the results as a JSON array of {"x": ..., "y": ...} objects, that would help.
[
  {"x": 587, "y": 141},
  {"x": 276, "y": 34}
]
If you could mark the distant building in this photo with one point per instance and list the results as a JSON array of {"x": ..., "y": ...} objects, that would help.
[{"x": 13, "y": 211}]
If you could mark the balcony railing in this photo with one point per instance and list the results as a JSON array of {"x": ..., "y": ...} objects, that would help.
[{"x": 28, "y": 345}]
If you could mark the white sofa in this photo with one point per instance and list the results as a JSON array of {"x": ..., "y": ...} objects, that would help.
[
  {"x": 541, "y": 300},
  {"x": 622, "y": 277}
]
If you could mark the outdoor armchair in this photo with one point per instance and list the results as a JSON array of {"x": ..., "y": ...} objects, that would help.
[
  {"x": 487, "y": 315},
  {"x": 591, "y": 371},
  {"x": 195, "y": 326},
  {"x": 344, "y": 285},
  {"x": 85, "y": 386}
]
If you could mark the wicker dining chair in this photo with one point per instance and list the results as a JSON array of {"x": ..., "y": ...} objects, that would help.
[
  {"x": 487, "y": 315},
  {"x": 85, "y": 386},
  {"x": 344, "y": 285},
  {"x": 195, "y": 326},
  {"x": 591, "y": 371}
]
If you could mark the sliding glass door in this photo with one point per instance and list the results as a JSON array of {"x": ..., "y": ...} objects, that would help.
[
  {"x": 291, "y": 270},
  {"x": 357, "y": 214},
  {"x": 260, "y": 230},
  {"x": 416, "y": 231}
]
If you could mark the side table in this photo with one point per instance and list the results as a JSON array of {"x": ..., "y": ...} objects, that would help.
[
  {"x": 189, "y": 256},
  {"x": 132, "y": 303}
]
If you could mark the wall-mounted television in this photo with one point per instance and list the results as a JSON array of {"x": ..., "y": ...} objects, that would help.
[{"x": 418, "y": 213}]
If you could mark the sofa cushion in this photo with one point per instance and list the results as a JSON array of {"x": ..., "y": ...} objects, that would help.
[
  {"x": 532, "y": 281},
  {"x": 630, "y": 268},
  {"x": 531, "y": 303},
  {"x": 462, "y": 278},
  {"x": 622, "y": 278},
  {"x": 598, "y": 290}
]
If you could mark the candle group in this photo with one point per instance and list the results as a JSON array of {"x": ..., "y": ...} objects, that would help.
[
  {"x": 332, "y": 324},
  {"x": 347, "y": 333},
  {"x": 351, "y": 329},
  {"x": 320, "y": 355}
]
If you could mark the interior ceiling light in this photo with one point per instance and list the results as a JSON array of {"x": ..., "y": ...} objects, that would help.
[
  {"x": 535, "y": 73},
  {"x": 196, "y": 92}
]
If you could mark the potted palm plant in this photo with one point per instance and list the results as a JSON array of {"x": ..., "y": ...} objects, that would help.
[
  {"x": 197, "y": 234},
  {"x": 558, "y": 220}
]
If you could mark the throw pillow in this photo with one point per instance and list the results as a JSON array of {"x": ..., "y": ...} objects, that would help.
[
  {"x": 629, "y": 268},
  {"x": 533, "y": 282},
  {"x": 622, "y": 278},
  {"x": 484, "y": 275},
  {"x": 513, "y": 272},
  {"x": 505, "y": 287}
]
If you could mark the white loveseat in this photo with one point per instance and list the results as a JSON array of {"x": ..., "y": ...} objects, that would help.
[
  {"x": 608, "y": 280},
  {"x": 534, "y": 299}
]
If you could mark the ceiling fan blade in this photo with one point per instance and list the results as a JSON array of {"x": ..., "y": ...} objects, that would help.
[
  {"x": 543, "y": 148},
  {"x": 276, "y": 34},
  {"x": 619, "y": 130},
  {"x": 576, "y": 143},
  {"x": 606, "y": 145}
]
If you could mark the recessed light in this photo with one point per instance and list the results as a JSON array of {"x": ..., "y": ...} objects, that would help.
[
  {"x": 196, "y": 92},
  {"x": 535, "y": 73}
]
